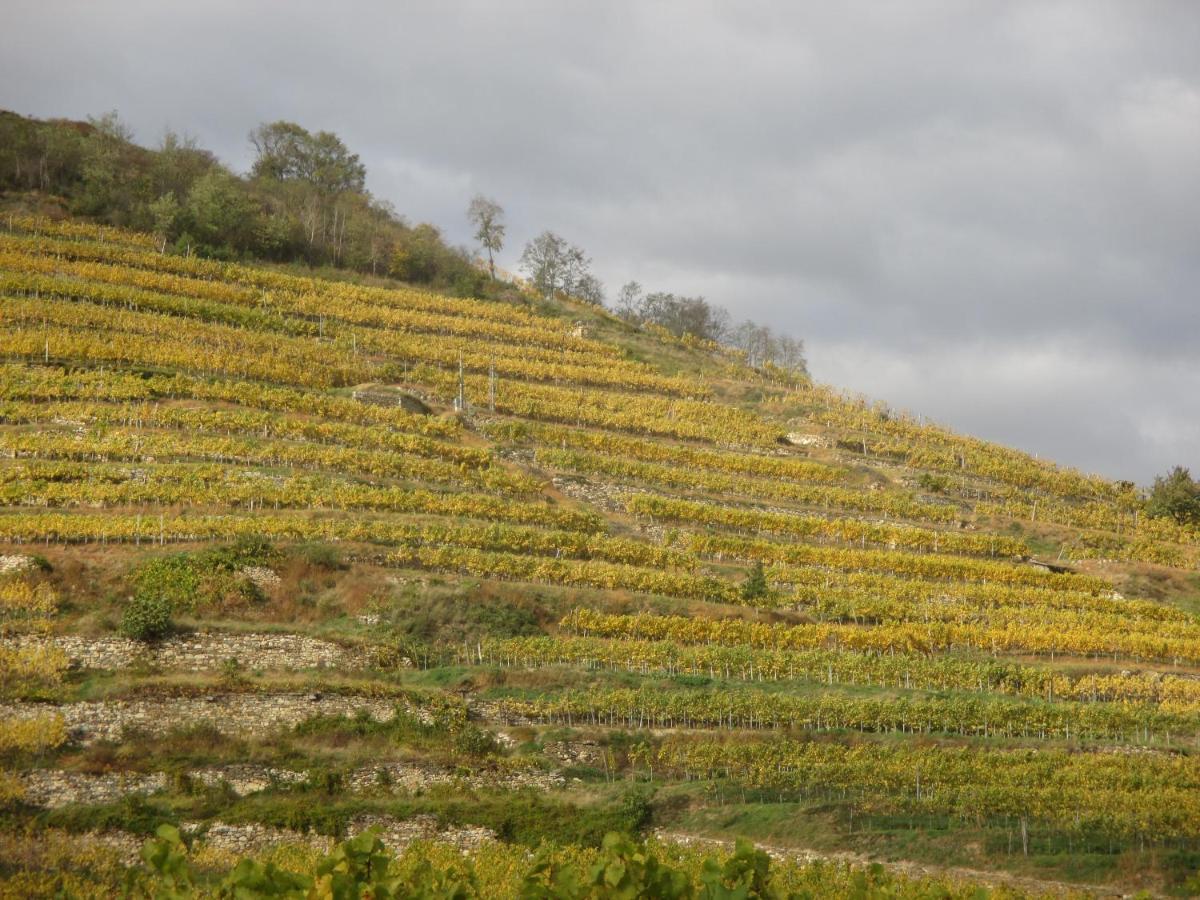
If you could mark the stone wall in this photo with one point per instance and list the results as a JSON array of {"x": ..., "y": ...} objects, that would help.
[
  {"x": 396, "y": 834},
  {"x": 201, "y": 652},
  {"x": 399, "y": 833},
  {"x": 251, "y": 715},
  {"x": 575, "y": 753},
  {"x": 243, "y": 840},
  {"x": 246, "y": 779},
  {"x": 53, "y": 788},
  {"x": 11, "y": 564},
  {"x": 407, "y": 777}
]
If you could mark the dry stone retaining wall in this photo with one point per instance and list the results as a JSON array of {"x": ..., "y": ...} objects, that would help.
[
  {"x": 247, "y": 779},
  {"x": 406, "y": 777},
  {"x": 201, "y": 652},
  {"x": 51, "y": 788},
  {"x": 396, "y": 834},
  {"x": 253, "y": 715},
  {"x": 55, "y": 788},
  {"x": 399, "y": 833},
  {"x": 10, "y": 564},
  {"x": 243, "y": 840}
]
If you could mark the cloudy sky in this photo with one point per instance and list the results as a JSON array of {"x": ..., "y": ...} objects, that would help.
[{"x": 985, "y": 212}]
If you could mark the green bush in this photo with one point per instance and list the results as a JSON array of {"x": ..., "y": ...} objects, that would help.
[
  {"x": 472, "y": 740},
  {"x": 132, "y": 813},
  {"x": 431, "y": 620},
  {"x": 186, "y": 580},
  {"x": 322, "y": 556},
  {"x": 936, "y": 484},
  {"x": 172, "y": 578},
  {"x": 147, "y": 617},
  {"x": 1175, "y": 495},
  {"x": 755, "y": 586},
  {"x": 245, "y": 551}
]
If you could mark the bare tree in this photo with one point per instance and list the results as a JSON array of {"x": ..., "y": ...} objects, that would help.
[
  {"x": 488, "y": 218},
  {"x": 590, "y": 289},
  {"x": 629, "y": 300},
  {"x": 695, "y": 316},
  {"x": 555, "y": 266},
  {"x": 754, "y": 340}
]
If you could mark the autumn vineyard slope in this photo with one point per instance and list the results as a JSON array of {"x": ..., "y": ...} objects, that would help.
[{"x": 283, "y": 559}]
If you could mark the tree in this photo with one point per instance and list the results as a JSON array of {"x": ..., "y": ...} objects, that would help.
[
  {"x": 555, "y": 266},
  {"x": 313, "y": 172},
  {"x": 763, "y": 347},
  {"x": 106, "y": 176},
  {"x": 590, "y": 289},
  {"x": 790, "y": 354},
  {"x": 417, "y": 254},
  {"x": 755, "y": 586},
  {"x": 165, "y": 213},
  {"x": 678, "y": 314},
  {"x": 1175, "y": 495},
  {"x": 220, "y": 215},
  {"x": 488, "y": 218},
  {"x": 629, "y": 300},
  {"x": 177, "y": 163},
  {"x": 695, "y": 316},
  {"x": 752, "y": 339},
  {"x": 288, "y": 152},
  {"x": 371, "y": 234}
]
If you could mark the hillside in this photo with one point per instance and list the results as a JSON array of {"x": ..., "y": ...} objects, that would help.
[{"x": 263, "y": 578}]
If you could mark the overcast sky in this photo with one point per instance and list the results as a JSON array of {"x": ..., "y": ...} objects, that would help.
[{"x": 988, "y": 213}]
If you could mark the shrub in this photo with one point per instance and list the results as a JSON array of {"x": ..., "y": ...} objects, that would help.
[
  {"x": 233, "y": 673},
  {"x": 936, "y": 484},
  {"x": 755, "y": 586},
  {"x": 172, "y": 578},
  {"x": 1175, "y": 496},
  {"x": 472, "y": 740},
  {"x": 247, "y": 591},
  {"x": 33, "y": 735},
  {"x": 147, "y": 617},
  {"x": 249, "y": 550},
  {"x": 322, "y": 556},
  {"x": 431, "y": 620}
]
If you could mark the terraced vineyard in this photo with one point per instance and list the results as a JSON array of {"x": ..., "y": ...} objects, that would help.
[{"x": 285, "y": 558}]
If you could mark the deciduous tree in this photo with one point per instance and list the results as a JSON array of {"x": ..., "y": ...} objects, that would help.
[{"x": 488, "y": 218}]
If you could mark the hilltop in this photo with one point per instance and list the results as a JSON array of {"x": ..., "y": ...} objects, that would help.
[{"x": 286, "y": 556}]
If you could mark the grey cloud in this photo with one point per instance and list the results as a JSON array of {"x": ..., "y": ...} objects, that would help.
[{"x": 985, "y": 212}]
